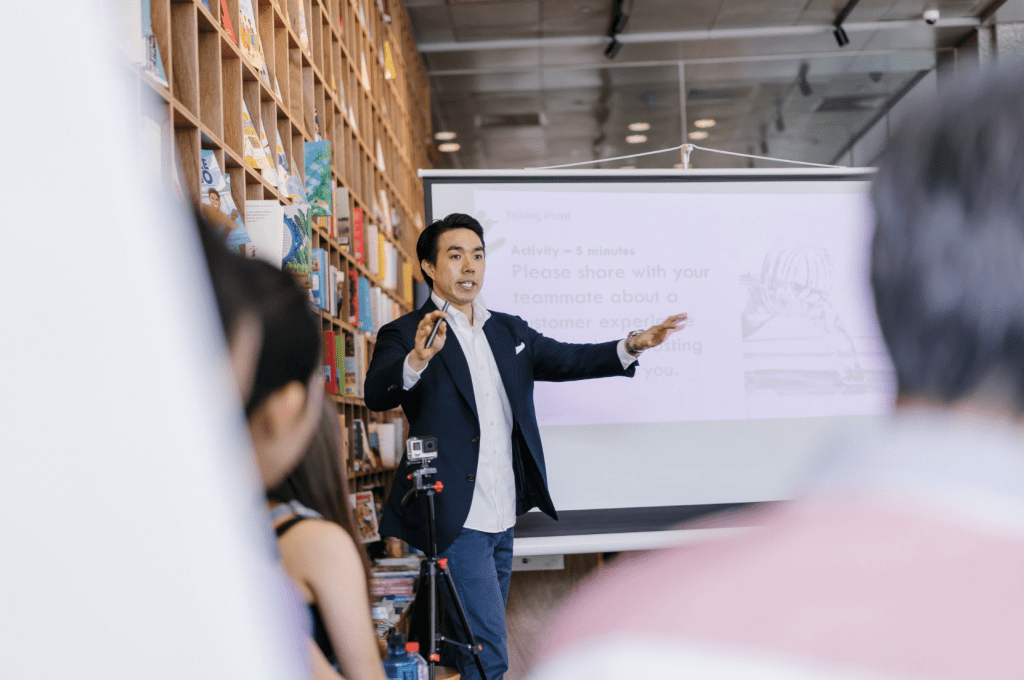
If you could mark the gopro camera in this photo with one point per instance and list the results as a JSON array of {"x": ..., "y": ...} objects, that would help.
[{"x": 420, "y": 448}]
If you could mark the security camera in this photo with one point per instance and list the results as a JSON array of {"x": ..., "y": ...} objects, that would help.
[{"x": 931, "y": 16}]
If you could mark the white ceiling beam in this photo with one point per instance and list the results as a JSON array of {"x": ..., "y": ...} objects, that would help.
[{"x": 692, "y": 36}]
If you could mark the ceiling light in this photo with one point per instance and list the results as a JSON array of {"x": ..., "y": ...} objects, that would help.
[
  {"x": 449, "y": 147},
  {"x": 639, "y": 127},
  {"x": 444, "y": 136},
  {"x": 698, "y": 134},
  {"x": 704, "y": 123},
  {"x": 636, "y": 139}
]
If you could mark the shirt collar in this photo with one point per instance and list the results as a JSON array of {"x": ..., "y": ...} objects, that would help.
[{"x": 480, "y": 313}]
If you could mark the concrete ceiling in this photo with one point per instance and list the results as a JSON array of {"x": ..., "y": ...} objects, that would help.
[{"x": 524, "y": 83}]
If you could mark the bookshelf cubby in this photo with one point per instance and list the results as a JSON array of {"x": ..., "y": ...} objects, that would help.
[{"x": 360, "y": 84}]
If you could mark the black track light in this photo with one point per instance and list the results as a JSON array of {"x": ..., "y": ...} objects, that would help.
[
  {"x": 613, "y": 48},
  {"x": 841, "y": 36}
]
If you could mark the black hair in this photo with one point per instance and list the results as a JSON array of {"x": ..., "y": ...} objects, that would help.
[
  {"x": 426, "y": 245},
  {"x": 212, "y": 191},
  {"x": 947, "y": 258},
  {"x": 291, "y": 349}
]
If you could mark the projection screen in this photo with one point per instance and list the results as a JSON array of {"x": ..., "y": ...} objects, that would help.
[{"x": 780, "y": 353}]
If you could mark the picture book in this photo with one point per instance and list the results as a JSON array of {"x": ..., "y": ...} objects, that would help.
[
  {"x": 342, "y": 217},
  {"x": 365, "y": 316},
  {"x": 294, "y": 188},
  {"x": 298, "y": 239},
  {"x": 252, "y": 46},
  {"x": 218, "y": 207},
  {"x": 389, "y": 62},
  {"x": 253, "y": 148},
  {"x": 265, "y": 224},
  {"x": 358, "y": 235},
  {"x": 269, "y": 173},
  {"x": 301, "y": 30},
  {"x": 318, "y": 278},
  {"x": 281, "y": 164},
  {"x": 365, "y": 515},
  {"x": 154, "y": 65},
  {"x": 225, "y": 21},
  {"x": 318, "y": 178}
]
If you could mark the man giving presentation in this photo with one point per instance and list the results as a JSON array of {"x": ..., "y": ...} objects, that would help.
[{"x": 472, "y": 389}]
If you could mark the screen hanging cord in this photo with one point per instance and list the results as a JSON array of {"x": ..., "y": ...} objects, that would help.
[{"x": 677, "y": 148}]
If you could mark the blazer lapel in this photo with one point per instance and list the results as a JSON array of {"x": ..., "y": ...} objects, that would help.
[
  {"x": 454, "y": 360},
  {"x": 500, "y": 339}
]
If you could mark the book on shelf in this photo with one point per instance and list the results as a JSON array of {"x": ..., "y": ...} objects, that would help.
[
  {"x": 352, "y": 118},
  {"x": 385, "y": 209},
  {"x": 340, "y": 286},
  {"x": 330, "y": 363},
  {"x": 383, "y": 255},
  {"x": 343, "y": 454},
  {"x": 387, "y": 441},
  {"x": 295, "y": 189},
  {"x": 361, "y": 363},
  {"x": 225, "y": 21},
  {"x": 154, "y": 63},
  {"x": 372, "y": 249},
  {"x": 280, "y": 163},
  {"x": 252, "y": 46},
  {"x": 218, "y": 206},
  {"x": 351, "y": 368},
  {"x": 358, "y": 235},
  {"x": 270, "y": 173},
  {"x": 298, "y": 234},
  {"x": 407, "y": 282},
  {"x": 389, "y": 62},
  {"x": 301, "y": 30},
  {"x": 342, "y": 217},
  {"x": 277, "y": 90},
  {"x": 318, "y": 278},
  {"x": 363, "y": 295},
  {"x": 353, "y": 297},
  {"x": 318, "y": 178},
  {"x": 252, "y": 147},
  {"x": 266, "y": 229},
  {"x": 365, "y": 515},
  {"x": 363, "y": 73},
  {"x": 340, "y": 344},
  {"x": 206, "y": 4}
]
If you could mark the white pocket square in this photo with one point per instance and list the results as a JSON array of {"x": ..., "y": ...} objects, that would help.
[{"x": 520, "y": 347}]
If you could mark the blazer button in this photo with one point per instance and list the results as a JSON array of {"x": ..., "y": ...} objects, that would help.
[
  {"x": 392, "y": 388},
  {"x": 470, "y": 478},
  {"x": 475, "y": 439}
]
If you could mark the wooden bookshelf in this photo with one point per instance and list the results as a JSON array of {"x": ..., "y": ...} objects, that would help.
[{"x": 358, "y": 108}]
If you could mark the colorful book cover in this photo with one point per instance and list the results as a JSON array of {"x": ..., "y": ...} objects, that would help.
[
  {"x": 294, "y": 187},
  {"x": 353, "y": 297},
  {"x": 281, "y": 164},
  {"x": 330, "y": 363},
  {"x": 389, "y": 62},
  {"x": 318, "y": 178},
  {"x": 218, "y": 206},
  {"x": 365, "y": 315},
  {"x": 351, "y": 370},
  {"x": 252, "y": 46},
  {"x": 339, "y": 363},
  {"x": 154, "y": 65},
  {"x": 301, "y": 30},
  {"x": 365, "y": 516},
  {"x": 382, "y": 257},
  {"x": 407, "y": 282},
  {"x": 206, "y": 4},
  {"x": 270, "y": 173},
  {"x": 225, "y": 21},
  {"x": 265, "y": 224},
  {"x": 298, "y": 239},
  {"x": 358, "y": 235},
  {"x": 318, "y": 277},
  {"x": 253, "y": 148},
  {"x": 342, "y": 217}
]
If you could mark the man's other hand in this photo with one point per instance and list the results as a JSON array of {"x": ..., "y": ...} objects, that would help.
[{"x": 421, "y": 355}]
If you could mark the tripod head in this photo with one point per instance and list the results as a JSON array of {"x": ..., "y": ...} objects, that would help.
[{"x": 421, "y": 450}]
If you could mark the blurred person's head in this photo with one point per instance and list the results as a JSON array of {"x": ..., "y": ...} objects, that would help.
[
  {"x": 274, "y": 340},
  {"x": 319, "y": 481},
  {"x": 947, "y": 264}
]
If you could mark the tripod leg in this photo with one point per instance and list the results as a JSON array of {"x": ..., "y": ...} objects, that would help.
[
  {"x": 432, "y": 606},
  {"x": 454, "y": 595}
]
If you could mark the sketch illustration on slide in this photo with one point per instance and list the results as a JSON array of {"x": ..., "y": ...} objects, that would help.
[
  {"x": 488, "y": 225},
  {"x": 795, "y": 340}
]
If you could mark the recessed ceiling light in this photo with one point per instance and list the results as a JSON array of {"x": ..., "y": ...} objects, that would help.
[
  {"x": 449, "y": 147},
  {"x": 704, "y": 123},
  {"x": 639, "y": 127},
  {"x": 636, "y": 139},
  {"x": 444, "y": 136},
  {"x": 698, "y": 134}
]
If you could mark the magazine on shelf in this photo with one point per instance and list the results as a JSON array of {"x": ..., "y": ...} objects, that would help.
[
  {"x": 265, "y": 222},
  {"x": 297, "y": 247},
  {"x": 365, "y": 516},
  {"x": 218, "y": 206},
  {"x": 318, "y": 178}
]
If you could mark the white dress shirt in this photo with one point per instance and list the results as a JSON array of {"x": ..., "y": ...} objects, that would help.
[{"x": 493, "y": 508}]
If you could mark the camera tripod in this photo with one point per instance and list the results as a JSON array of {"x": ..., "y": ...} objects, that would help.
[{"x": 432, "y": 567}]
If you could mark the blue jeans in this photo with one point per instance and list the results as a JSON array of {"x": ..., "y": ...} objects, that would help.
[{"x": 481, "y": 566}]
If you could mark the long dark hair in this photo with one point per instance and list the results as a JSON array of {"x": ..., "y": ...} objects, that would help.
[{"x": 319, "y": 480}]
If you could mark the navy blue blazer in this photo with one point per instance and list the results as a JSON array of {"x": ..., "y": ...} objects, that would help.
[{"x": 442, "y": 404}]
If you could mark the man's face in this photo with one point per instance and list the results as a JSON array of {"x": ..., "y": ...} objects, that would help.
[
  {"x": 214, "y": 200},
  {"x": 459, "y": 271}
]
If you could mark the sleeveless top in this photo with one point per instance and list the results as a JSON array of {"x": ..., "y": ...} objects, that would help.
[{"x": 299, "y": 513}]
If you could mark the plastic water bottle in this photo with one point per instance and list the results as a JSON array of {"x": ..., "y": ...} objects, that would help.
[
  {"x": 413, "y": 650},
  {"x": 399, "y": 665}
]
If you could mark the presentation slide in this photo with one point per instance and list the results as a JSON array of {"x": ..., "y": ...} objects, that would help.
[{"x": 780, "y": 349}]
